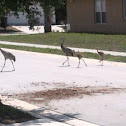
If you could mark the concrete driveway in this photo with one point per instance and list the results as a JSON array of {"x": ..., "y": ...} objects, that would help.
[
  {"x": 38, "y": 29},
  {"x": 107, "y": 109}
]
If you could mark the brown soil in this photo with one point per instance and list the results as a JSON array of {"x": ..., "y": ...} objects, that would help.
[{"x": 65, "y": 93}]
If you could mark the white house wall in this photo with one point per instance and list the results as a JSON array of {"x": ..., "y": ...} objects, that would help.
[{"x": 12, "y": 20}]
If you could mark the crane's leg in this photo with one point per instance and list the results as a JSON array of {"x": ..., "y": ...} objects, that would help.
[
  {"x": 84, "y": 63},
  {"x": 66, "y": 61},
  {"x": 3, "y": 65},
  {"x": 78, "y": 63},
  {"x": 13, "y": 65},
  {"x": 102, "y": 61}
]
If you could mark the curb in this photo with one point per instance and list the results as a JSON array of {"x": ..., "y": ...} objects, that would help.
[{"x": 43, "y": 114}]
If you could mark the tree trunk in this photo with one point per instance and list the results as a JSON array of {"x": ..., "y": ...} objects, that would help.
[
  {"x": 4, "y": 22},
  {"x": 48, "y": 23}
]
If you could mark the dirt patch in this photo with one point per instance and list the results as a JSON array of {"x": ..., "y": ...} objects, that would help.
[{"x": 65, "y": 93}]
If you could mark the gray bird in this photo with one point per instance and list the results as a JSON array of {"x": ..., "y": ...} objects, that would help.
[
  {"x": 67, "y": 51},
  {"x": 8, "y": 55},
  {"x": 102, "y": 56},
  {"x": 80, "y": 57}
]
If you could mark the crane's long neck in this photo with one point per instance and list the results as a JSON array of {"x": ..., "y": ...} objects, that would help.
[{"x": 62, "y": 46}]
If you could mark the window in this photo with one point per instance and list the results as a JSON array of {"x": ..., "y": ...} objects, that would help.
[
  {"x": 100, "y": 11},
  {"x": 124, "y": 8}
]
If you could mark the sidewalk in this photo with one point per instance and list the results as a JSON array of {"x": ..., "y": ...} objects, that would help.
[
  {"x": 46, "y": 117},
  {"x": 58, "y": 47}
]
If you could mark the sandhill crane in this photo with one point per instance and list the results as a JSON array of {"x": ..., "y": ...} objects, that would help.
[
  {"x": 67, "y": 51},
  {"x": 102, "y": 55},
  {"x": 80, "y": 57},
  {"x": 8, "y": 55}
]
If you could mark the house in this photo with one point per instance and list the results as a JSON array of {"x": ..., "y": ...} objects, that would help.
[
  {"x": 22, "y": 20},
  {"x": 102, "y": 16}
]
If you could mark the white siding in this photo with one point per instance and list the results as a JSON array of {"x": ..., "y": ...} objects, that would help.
[{"x": 12, "y": 20}]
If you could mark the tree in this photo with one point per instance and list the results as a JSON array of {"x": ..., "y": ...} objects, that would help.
[
  {"x": 14, "y": 6},
  {"x": 61, "y": 16},
  {"x": 28, "y": 6},
  {"x": 48, "y": 6}
]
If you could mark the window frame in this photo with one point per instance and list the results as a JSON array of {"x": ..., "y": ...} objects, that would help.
[
  {"x": 124, "y": 9},
  {"x": 100, "y": 12}
]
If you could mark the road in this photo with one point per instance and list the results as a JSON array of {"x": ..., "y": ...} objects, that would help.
[
  {"x": 46, "y": 71},
  {"x": 36, "y": 67}
]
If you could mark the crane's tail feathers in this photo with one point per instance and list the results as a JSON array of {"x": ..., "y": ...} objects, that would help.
[{"x": 14, "y": 58}]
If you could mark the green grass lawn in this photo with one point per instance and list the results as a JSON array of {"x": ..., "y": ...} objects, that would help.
[
  {"x": 81, "y": 40},
  {"x": 59, "y": 52}
]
